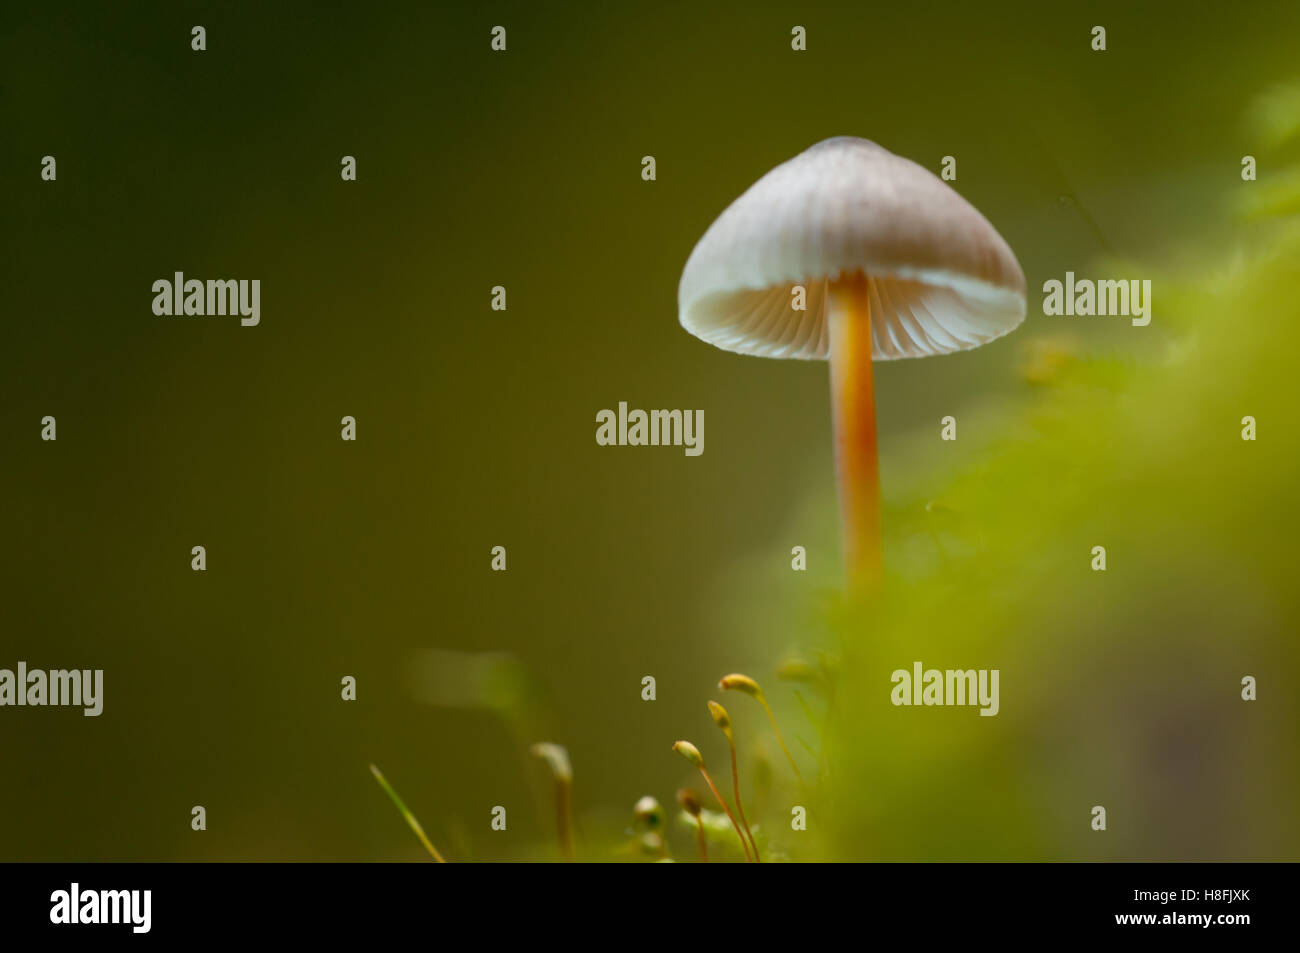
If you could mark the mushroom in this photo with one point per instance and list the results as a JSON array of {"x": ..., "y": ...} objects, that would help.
[{"x": 892, "y": 263}]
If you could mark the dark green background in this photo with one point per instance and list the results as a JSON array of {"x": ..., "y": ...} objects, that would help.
[{"x": 476, "y": 428}]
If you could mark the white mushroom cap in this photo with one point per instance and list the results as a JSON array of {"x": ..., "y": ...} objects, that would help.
[{"x": 941, "y": 278}]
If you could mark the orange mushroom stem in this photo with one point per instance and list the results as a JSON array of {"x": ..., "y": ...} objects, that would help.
[{"x": 853, "y": 409}]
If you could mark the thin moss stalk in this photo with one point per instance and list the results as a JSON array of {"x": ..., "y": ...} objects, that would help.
[
  {"x": 410, "y": 818},
  {"x": 747, "y": 686},
  {"x": 692, "y": 754},
  {"x": 557, "y": 759},
  {"x": 690, "y": 803},
  {"x": 723, "y": 721}
]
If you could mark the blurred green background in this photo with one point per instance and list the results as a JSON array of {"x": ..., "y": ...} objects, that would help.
[{"x": 476, "y": 428}]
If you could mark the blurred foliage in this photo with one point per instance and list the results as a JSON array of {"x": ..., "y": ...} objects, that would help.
[{"x": 1119, "y": 688}]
